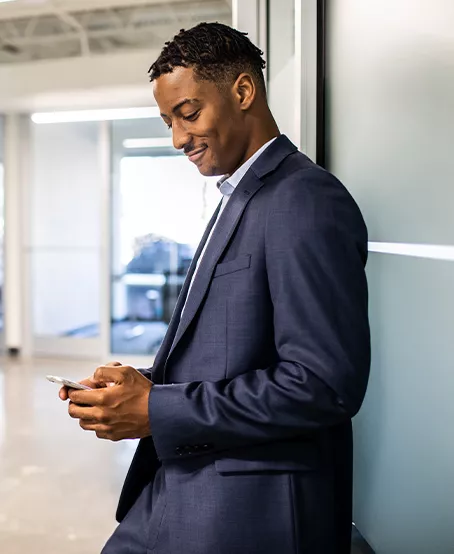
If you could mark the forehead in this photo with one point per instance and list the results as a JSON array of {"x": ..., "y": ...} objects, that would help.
[{"x": 172, "y": 88}]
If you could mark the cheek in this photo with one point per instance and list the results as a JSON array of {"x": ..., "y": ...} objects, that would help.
[
  {"x": 211, "y": 131},
  {"x": 215, "y": 124},
  {"x": 222, "y": 137}
]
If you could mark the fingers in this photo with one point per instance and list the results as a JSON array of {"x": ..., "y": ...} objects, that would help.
[
  {"x": 103, "y": 376},
  {"x": 93, "y": 426},
  {"x": 113, "y": 412},
  {"x": 84, "y": 413},
  {"x": 102, "y": 431},
  {"x": 63, "y": 393},
  {"x": 96, "y": 397},
  {"x": 92, "y": 383},
  {"x": 112, "y": 373}
]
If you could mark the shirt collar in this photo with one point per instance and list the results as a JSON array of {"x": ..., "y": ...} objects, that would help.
[{"x": 228, "y": 183}]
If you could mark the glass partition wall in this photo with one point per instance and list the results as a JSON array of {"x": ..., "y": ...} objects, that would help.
[
  {"x": 63, "y": 239},
  {"x": 112, "y": 217},
  {"x": 160, "y": 206},
  {"x": 114, "y": 213}
]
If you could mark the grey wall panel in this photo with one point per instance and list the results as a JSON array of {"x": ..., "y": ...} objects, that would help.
[
  {"x": 390, "y": 129},
  {"x": 404, "y": 442}
]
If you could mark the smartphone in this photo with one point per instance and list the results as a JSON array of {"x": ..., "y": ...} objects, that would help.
[{"x": 67, "y": 383}]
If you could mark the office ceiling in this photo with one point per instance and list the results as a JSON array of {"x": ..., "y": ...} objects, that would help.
[{"x": 50, "y": 29}]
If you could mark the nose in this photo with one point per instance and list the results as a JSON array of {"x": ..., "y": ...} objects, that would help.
[{"x": 180, "y": 136}]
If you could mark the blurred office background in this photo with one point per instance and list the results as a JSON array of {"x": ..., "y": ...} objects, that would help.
[{"x": 100, "y": 218}]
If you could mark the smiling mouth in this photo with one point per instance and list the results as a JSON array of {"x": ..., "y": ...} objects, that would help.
[{"x": 195, "y": 156}]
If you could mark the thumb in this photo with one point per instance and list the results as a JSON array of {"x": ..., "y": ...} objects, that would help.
[{"x": 109, "y": 373}]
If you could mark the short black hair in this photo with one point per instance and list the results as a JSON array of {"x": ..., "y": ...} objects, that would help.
[{"x": 216, "y": 52}]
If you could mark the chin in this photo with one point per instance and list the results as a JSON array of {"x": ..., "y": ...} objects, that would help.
[{"x": 208, "y": 171}]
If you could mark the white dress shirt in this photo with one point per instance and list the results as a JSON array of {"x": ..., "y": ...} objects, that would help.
[{"x": 227, "y": 185}]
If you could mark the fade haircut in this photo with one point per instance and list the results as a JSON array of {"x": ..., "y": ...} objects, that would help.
[{"x": 216, "y": 52}]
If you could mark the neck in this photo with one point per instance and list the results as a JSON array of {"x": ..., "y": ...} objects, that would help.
[{"x": 263, "y": 131}]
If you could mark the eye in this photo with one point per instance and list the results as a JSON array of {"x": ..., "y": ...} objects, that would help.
[
  {"x": 166, "y": 123},
  {"x": 192, "y": 116}
]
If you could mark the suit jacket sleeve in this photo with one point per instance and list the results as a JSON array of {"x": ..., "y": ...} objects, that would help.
[
  {"x": 316, "y": 249},
  {"x": 146, "y": 372}
]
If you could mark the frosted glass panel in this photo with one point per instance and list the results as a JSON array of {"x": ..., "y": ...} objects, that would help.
[
  {"x": 68, "y": 300},
  {"x": 64, "y": 243},
  {"x": 390, "y": 128},
  {"x": 404, "y": 443},
  {"x": 390, "y": 114},
  {"x": 66, "y": 185}
]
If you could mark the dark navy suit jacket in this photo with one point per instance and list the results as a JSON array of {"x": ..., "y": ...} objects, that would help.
[{"x": 256, "y": 386}]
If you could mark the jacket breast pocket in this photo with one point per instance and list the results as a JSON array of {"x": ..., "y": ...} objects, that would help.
[{"x": 242, "y": 262}]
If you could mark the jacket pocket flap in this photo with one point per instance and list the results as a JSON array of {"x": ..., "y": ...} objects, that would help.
[
  {"x": 302, "y": 459},
  {"x": 242, "y": 262}
]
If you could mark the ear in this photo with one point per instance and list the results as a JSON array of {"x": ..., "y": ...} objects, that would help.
[{"x": 244, "y": 91}]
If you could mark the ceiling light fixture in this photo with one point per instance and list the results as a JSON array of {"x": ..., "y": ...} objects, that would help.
[{"x": 95, "y": 115}]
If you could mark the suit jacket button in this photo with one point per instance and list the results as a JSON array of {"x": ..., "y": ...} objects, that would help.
[{"x": 179, "y": 451}]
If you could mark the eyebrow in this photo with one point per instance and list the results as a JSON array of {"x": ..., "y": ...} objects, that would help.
[{"x": 180, "y": 105}]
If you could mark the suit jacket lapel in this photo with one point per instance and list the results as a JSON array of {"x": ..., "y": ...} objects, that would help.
[
  {"x": 164, "y": 349},
  {"x": 230, "y": 217},
  {"x": 225, "y": 227}
]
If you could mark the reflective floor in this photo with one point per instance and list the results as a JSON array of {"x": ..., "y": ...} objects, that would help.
[{"x": 59, "y": 485}]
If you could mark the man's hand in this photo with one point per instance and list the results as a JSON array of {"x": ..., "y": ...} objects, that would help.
[{"x": 118, "y": 408}]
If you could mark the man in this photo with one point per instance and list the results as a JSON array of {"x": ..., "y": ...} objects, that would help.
[{"x": 245, "y": 417}]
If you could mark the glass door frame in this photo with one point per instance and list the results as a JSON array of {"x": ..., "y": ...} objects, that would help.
[
  {"x": 296, "y": 72},
  {"x": 93, "y": 349},
  {"x": 107, "y": 236},
  {"x": 310, "y": 33}
]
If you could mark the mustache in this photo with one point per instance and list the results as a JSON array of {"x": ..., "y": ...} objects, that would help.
[{"x": 190, "y": 148}]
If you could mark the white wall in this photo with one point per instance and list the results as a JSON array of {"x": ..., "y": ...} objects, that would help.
[
  {"x": 390, "y": 104},
  {"x": 65, "y": 229}
]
